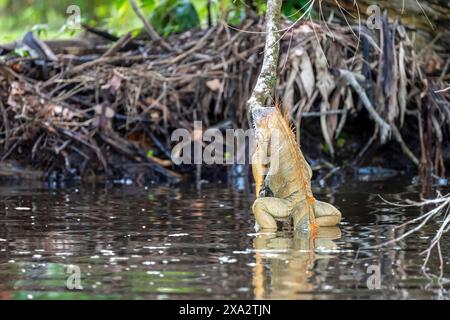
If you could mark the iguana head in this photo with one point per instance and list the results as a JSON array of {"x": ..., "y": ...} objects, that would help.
[{"x": 262, "y": 118}]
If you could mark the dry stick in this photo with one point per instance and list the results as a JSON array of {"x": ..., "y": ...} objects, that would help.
[
  {"x": 74, "y": 136},
  {"x": 442, "y": 90},
  {"x": 148, "y": 27},
  {"x": 107, "y": 60},
  {"x": 442, "y": 208},
  {"x": 5, "y": 123},
  {"x": 366, "y": 147},
  {"x": 199, "y": 44},
  {"x": 320, "y": 113},
  {"x": 234, "y": 38},
  {"x": 404, "y": 147},
  {"x": 6, "y": 155},
  {"x": 328, "y": 175},
  {"x": 101, "y": 33},
  {"x": 242, "y": 54},
  {"x": 123, "y": 146},
  {"x": 384, "y": 126},
  {"x": 268, "y": 75},
  {"x": 122, "y": 42},
  {"x": 39, "y": 46},
  {"x": 444, "y": 70}
]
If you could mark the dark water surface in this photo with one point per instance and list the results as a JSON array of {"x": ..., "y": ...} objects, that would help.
[{"x": 162, "y": 242}]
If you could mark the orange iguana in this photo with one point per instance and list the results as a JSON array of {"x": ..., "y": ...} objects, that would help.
[{"x": 280, "y": 169}]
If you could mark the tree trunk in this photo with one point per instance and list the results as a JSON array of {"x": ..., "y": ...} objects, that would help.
[{"x": 267, "y": 78}]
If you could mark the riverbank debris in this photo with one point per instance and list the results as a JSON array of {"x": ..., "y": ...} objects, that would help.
[{"x": 108, "y": 107}]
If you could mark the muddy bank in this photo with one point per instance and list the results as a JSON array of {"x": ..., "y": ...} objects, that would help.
[{"x": 106, "y": 107}]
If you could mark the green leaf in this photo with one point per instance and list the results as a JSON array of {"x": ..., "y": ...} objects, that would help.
[
  {"x": 21, "y": 52},
  {"x": 172, "y": 16}
]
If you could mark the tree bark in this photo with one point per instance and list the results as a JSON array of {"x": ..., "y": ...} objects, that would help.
[{"x": 267, "y": 78}]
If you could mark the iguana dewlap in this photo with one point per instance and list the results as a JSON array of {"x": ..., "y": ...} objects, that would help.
[{"x": 280, "y": 169}]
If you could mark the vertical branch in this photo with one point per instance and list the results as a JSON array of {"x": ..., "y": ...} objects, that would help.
[
  {"x": 268, "y": 75},
  {"x": 148, "y": 27},
  {"x": 208, "y": 7}
]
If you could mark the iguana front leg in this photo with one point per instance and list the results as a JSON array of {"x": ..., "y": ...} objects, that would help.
[{"x": 259, "y": 168}]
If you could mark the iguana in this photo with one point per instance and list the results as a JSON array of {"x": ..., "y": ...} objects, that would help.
[{"x": 283, "y": 177}]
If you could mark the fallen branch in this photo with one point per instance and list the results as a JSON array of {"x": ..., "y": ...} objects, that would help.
[
  {"x": 122, "y": 42},
  {"x": 442, "y": 208},
  {"x": 403, "y": 145},
  {"x": 350, "y": 78}
]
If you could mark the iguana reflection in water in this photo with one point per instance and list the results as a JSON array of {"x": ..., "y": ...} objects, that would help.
[{"x": 284, "y": 264}]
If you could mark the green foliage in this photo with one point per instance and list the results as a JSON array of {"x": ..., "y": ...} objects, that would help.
[
  {"x": 46, "y": 16},
  {"x": 293, "y": 9},
  {"x": 340, "y": 142},
  {"x": 326, "y": 148},
  {"x": 49, "y": 17},
  {"x": 150, "y": 153},
  {"x": 342, "y": 139},
  {"x": 118, "y": 17},
  {"x": 171, "y": 16},
  {"x": 20, "y": 52}
]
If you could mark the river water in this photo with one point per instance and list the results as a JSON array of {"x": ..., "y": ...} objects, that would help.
[{"x": 180, "y": 242}]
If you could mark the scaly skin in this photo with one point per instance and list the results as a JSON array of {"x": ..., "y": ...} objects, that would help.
[{"x": 279, "y": 167}]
